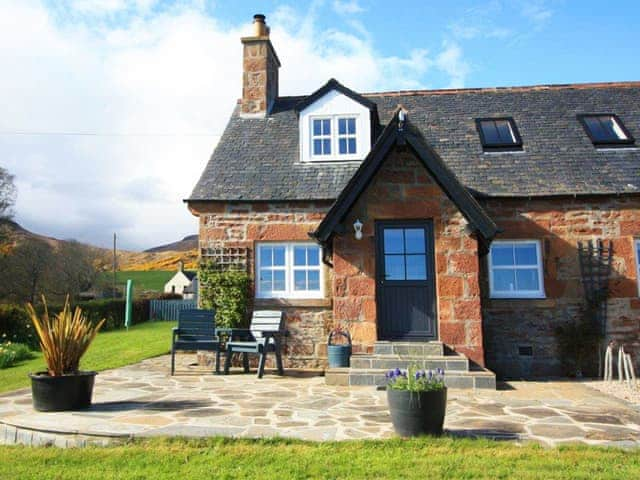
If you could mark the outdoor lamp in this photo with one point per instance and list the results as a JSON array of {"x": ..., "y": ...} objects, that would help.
[{"x": 357, "y": 227}]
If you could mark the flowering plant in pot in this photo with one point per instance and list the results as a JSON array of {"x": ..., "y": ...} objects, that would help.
[
  {"x": 417, "y": 401},
  {"x": 339, "y": 347},
  {"x": 64, "y": 338}
]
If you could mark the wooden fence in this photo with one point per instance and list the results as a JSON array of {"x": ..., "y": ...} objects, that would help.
[{"x": 168, "y": 309}]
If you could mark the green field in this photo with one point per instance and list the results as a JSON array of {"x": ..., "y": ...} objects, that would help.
[
  {"x": 153, "y": 280},
  {"x": 109, "y": 350},
  {"x": 281, "y": 459}
]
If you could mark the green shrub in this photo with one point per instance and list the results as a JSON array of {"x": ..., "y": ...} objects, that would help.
[
  {"x": 225, "y": 291},
  {"x": 12, "y": 353},
  {"x": 15, "y": 326}
]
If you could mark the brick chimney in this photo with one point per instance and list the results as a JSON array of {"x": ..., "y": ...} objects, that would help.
[{"x": 259, "y": 71}]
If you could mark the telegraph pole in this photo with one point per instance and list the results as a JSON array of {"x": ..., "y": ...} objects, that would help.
[{"x": 115, "y": 265}]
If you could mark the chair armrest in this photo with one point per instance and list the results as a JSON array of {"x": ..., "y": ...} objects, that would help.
[{"x": 233, "y": 332}]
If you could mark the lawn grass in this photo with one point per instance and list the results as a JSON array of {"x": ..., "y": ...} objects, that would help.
[
  {"x": 283, "y": 459},
  {"x": 109, "y": 350},
  {"x": 152, "y": 280}
]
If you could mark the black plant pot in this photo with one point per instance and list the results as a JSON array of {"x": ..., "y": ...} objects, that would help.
[
  {"x": 57, "y": 394},
  {"x": 417, "y": 413}
]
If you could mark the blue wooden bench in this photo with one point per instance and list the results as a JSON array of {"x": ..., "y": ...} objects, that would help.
[
  {"x": 196, "y": 330},
  {"x": 263, "y": 336}
]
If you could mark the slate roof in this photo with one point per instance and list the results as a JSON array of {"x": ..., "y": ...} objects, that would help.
[{"x": 258, "y": 159}]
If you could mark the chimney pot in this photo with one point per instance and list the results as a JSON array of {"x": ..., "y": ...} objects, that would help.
[{"x": 260, "y": 28}]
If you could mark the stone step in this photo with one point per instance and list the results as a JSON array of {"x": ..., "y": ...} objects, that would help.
[
  {"x": 413, "y": 349},
  {"x": 376, "y": 377},
  {"x": 430, "y": 362}
]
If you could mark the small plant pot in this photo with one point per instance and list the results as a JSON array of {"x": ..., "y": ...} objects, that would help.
[
  {"x": 417, "y": 413},
  {"x": 58, "y": 394},
  {"x": 339, "y": 355}
]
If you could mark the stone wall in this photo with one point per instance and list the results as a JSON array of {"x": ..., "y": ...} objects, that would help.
[
  {"x": 560, "y": 224},
  {"x": 234, "y": 225},
  {"x": 403, "y": 189}
]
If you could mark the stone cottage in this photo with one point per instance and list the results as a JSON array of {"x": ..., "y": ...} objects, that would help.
[{"x": 433, "y": 217}]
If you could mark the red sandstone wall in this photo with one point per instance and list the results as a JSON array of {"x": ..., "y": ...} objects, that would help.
[
  {"x": 403, "y": 189},
  {"x": 242, "y": 225},
  {"x": 560, "y": 224}
]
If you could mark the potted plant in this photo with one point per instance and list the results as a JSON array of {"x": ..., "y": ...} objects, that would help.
[
  {"x": 339, "y": 347},
  {"x": 417, "y": 401},
  {"x": 64, "y": 338}
]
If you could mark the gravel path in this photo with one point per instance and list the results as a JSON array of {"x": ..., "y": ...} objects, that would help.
[{"x": 621, "y": 390}]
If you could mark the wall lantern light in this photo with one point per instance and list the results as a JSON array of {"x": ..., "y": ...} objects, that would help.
[{"x": 357, "y": 227}]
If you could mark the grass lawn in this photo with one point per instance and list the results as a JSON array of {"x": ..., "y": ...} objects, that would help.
[
  {"x": 109, "y": 350},
  {"x": 153, "y": 280},
  {"x": 282, "y": 459}
]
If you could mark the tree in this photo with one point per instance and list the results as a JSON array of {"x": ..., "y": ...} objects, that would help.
[
  {"x": 7, "y": 194},
  {"x": 75, "y": 268},
  {"x": 26, "y": 272}
]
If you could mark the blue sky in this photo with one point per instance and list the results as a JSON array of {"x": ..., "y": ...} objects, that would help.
[{"x": 112, "y": 107}]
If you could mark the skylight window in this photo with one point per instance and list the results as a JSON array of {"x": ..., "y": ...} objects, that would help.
[
  {"x": 498, "y": 133},
  {"x": 605, "y": 130}
]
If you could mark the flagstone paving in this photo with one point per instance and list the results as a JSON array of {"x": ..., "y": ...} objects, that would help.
[{"x": 142, "y": 400}]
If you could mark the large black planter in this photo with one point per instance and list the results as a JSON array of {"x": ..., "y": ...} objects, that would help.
[
  {"x": 417, "y": 413},
  {"x": 57, "y": 394}
]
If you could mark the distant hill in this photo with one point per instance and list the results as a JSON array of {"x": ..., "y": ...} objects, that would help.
[
  {"x": 165, "y": 257},
  {"x": 190, "y": 242}
]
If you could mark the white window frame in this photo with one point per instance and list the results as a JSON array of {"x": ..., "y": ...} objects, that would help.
[
  {"x": 521, "y": 293},
  {"x": 289, "y": 269},
  {"x": 636, "y": 247},
  {"x": 322, "y": 137},
  {"x": 335, "y": 136}
]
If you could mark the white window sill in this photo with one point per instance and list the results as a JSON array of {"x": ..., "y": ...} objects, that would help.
[{"x": 505, "y": 296}]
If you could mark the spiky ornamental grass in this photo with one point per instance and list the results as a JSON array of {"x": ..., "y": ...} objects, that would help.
[{"x": 64, "y": 338}]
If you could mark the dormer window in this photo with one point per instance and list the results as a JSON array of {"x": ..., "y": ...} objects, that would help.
[
  {"x": 333, "y": 137},
  {"x": 606, "y": 130},
  {"x": 498, "y": 134},
  {"x": 335, "y": 125}
]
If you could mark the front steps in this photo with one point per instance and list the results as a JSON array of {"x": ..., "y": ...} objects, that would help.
[{"x": 370, "y": 369}]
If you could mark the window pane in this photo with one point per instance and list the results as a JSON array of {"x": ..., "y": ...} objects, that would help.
[
  {"x": 313, "y": 280},
  {"x": 393, "y": 241},
  {"x": 278, "y": 256},
  {"x": 504, "y": 132},
  {"x": 326, "y": 147},
  {"x": 266, "y": 278},
  {"x": 299, "y": 256},
  {"x": 527, "y": 279},
  {"x": 317, "y": 147},
  {"x": 504, "y": 280},
  {"x": 278, "y": 280},
  {"x": 351, "y": 126},
  {"x": 414, "y": 240},
  {"x": 416, "y": 267},
  {"x": 313, "y": 256},
  {"x": 300, "y": 280},
  {"x": 326, "y": 127},
  {"x": 594, "y": 126},
  {"x": 526, "y": 254},
  {"x": 502, "y": 254},
  {"x": 342, "y": 126},
  {"x": 317, "y": 127},
  {"x": 342, "y": 146},
  {"x": 352, "y": 145},
  {"x": 490, "y": 132},
  {"x": 394, "y": 267},
  {"x": 266, "y": 256}
]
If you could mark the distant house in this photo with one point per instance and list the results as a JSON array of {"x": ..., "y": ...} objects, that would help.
[{"x": 183, "y": 282}]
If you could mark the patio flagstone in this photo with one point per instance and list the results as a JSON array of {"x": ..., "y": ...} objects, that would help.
[{"x": 142, "y": 400}]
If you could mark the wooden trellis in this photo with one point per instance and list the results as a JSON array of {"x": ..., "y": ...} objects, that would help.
[
  {"x": 595, "y": 271},
  {"x": 226, "y": 258}
]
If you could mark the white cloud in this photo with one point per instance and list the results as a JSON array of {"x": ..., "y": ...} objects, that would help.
[
  {"x": 161, "y": 83},
  {"x": 347, "y": 7},
  {"x": 537, "y": 12}
]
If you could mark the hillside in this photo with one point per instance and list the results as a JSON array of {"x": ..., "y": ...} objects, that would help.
[{"x": 165, "y": 257}]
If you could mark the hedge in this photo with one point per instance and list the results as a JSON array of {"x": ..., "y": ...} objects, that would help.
[{"x": 15, "y": 325}]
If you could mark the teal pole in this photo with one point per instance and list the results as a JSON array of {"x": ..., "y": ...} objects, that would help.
[{"x": 129, "y": 306}]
